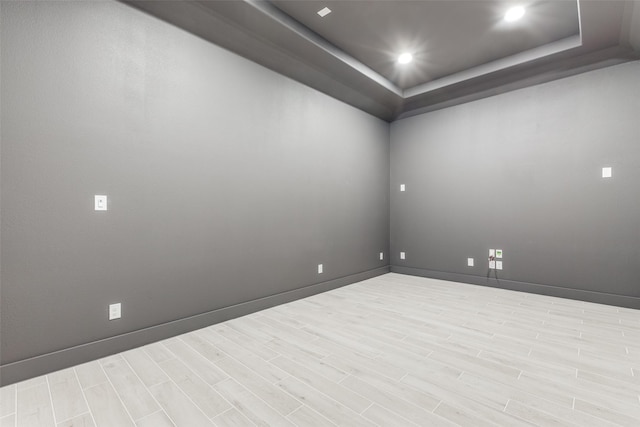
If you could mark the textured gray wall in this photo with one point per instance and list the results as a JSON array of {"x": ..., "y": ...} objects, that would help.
[
  {"x": 522, "y": 172},
  {"x": 226, "y": 181}
]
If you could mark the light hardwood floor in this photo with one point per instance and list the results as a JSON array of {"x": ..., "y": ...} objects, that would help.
[{"x": 390, "y": 351}]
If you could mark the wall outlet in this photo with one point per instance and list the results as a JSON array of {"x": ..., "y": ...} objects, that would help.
[
  {"x": 402, "y": 187},
  {"x": 100, "y": 202},
  {"x": 498, "y": 265},
  {"x": 115, "y": 311},
  {"x": 469, "y": 262},
  {"x": 498, "y": 253},
  {"x": 320, "y": 268},
  {"x": 402, "y": 255},
  {"x": 381, "y": 256}
]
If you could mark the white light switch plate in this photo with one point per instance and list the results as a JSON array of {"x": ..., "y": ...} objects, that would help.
[
  {"x": 402, "y": 255},
  {"x": 320, "y": 268},
  {"x": 100, "y": 203},
  {"x": 115, "y": 311},
  {"x": 469, "y": 262},
  {"x": 606, "y": 172}
]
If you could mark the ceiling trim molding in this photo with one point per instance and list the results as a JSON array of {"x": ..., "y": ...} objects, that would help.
[
  {"x": 530, "y": 55},
  {"x": 260, "y": 32},
  {"x": 537, "y": 75},
  {"x": 285, "y": 20}
]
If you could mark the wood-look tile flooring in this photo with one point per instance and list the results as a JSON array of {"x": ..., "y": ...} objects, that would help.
[{"x": 390, "y": 351}]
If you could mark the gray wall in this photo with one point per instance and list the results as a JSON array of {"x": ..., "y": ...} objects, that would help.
[
  {"x": 522, "y": 172},
  {"x": 226, "y": 182}
]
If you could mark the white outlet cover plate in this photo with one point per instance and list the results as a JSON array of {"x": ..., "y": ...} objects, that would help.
[
  {"x": 470, "y": 262},
  {"x": 606, "y": 172},
  {"x": 324, "y": 12},
  {"x": 498, "y": 265},
  {"x": 381, "y": 256},
  {"x": 402, "y": 255},
  {"x": 498, "y": 253},
  {"x": 402, "y": 187},
  {"x": 115, "y": 311},
  {"x": 320, "y": 268},
  {"x": 492, "y": 265},
  {"x": 100, "y": 202}
]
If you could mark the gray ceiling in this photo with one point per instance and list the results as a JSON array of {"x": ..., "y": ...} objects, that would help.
[
  {"x": 445, "y": 37},
  {"x": 463, "y": 50}
]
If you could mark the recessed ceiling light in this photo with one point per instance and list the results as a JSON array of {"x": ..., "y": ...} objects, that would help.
[
  {"x": 324, "y": 12},
  {"x": 405, "y": 58},
  {"x": 514, "y": 14}
]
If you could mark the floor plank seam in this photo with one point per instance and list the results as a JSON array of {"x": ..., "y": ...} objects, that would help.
[
  {"x": 84, "y": 396},
  {"x": 170, "y": 379},
  {"x": 53, "y": 408},
  {"x": 116, "y": 391},
  {"x": 160, "y": 407}
]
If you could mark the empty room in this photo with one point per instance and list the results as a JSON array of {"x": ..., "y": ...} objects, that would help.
[{"x": 319, "y": 213}]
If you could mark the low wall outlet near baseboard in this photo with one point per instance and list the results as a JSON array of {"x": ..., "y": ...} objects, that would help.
[{"x": 115, "y": 311}]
